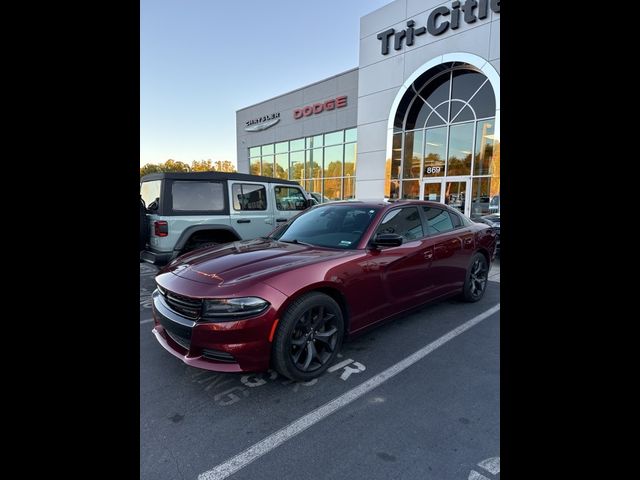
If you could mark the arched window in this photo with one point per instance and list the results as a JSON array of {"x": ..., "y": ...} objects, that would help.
[{"x": 444, "y": 127}]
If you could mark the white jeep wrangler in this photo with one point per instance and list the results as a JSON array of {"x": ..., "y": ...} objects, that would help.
[{"x": 186, "y": 211}]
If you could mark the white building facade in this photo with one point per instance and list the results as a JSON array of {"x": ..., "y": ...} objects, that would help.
[{"x": 418, "y": 118}]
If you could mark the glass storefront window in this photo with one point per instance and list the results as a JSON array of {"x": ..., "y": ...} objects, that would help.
[
  {"x": 485, "y": 196},
  {"x": 296, "y": 144},
  {"x": 411, "y": 189},
  {"x": 453, "y": 106},
  {"x": 332, "y": 188},
  {"x": 350, "y": 150},
  {"x": 460, "y": 146},
  {"x": 314, "y": 163},
  {"x": 254, "y": 167},
  {"x": 394, "y": 190},
  {"x": 297, "y": 165},
  {"x": 412, "y": 154},
  {"x": 319, "y": 162},
  {"x": 333, "y": 161},
  {"x": 282, "y": 166},
  {"x": 484, "y": 148},
  {"x": 349, "y": 185},
  {"x": 435, "y": 146},
  {"x": 334, "y": 138},
  {"x": 267, "y": 165},
  {"x": 396, "y": 157}
]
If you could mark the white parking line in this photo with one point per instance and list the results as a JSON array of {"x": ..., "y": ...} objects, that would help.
[
  {"x": 278, "y": 438},
  {"x": 146, "y": 321}
]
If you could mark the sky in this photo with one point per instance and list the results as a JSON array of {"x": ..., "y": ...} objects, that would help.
[{"x": 201, "y": 60}]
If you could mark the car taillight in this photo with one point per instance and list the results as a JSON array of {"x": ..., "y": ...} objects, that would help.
[{"x": 161, "y": 228}]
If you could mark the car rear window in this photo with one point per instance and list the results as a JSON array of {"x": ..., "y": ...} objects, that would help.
[
  {"x": 438, "y": 220},
  {"x": 197, "y": 196}
]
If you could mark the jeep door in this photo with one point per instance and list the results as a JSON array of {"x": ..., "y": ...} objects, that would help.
[
  {"x": 289, "y": 201},
  {"x": 251, "y": 211}
]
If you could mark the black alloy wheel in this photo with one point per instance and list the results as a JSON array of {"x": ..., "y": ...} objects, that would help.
[
  {"x": 477, "y": 276},
  {"x": 308, "y": 337}
]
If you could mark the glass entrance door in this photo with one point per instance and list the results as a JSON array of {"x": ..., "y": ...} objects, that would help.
[{"x": 452, "y": 191}]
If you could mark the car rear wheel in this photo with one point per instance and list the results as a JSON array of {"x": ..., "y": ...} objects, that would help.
[
  {"x": 308, "y": 337},
  {"x": 476, "y": 282}
]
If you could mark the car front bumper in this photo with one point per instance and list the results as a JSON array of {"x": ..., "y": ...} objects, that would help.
[{"x": 238, "y": 346}]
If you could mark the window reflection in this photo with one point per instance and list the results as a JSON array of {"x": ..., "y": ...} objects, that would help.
[
  {"x": 267, "y": 165},
  {"x": 411, "y": 189},
  {"x": 412, "y": 154},
  {"x": 460, "y": 146},
  {"x": 434, "y": 151},
  {"x": 282, "y": 166},
  {"x": 452, "y": 106},
  {"x": 333, "y": 161},
  {"x": 484, "y": 148},
  {"x": 318, "y": 163}
]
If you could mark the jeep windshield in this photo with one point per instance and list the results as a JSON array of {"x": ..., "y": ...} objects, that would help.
[{"x": 334, "y": 226}]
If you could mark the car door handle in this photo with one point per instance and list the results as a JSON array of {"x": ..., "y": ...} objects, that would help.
[
  {"x": 281, "y": 219},
  {"x": 428, "y": 255},
  {"x": 468, "y": 241},
  {"x": 244, "y": 220}
]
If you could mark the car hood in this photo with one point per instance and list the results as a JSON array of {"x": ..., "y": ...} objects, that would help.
[{"x": 242, "y": 261}]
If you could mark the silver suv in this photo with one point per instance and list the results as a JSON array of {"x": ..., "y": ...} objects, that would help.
[{"x": 186, "y": 211}]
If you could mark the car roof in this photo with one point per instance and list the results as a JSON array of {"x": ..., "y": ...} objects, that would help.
[
  {"x": 215, "y": 176},
  {"x": 383, "y": 203}
]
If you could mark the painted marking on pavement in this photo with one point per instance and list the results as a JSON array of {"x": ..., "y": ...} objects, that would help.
[
  {"x": 338, "y": 366},
  {"x": 492, "y": 465},
  {"x": 278, "y": 438}
]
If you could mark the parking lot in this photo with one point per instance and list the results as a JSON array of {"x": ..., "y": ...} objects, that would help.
[{"x": 417, "y": 398}]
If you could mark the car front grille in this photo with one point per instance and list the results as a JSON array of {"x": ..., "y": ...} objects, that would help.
[
  {"x": 218, "y": 356},
  {"x": 185, "y": 306},
  {"x": 183, "y": 342}
]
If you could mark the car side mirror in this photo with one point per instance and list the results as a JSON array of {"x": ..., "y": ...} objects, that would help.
[
  {"x": 387, "y": 240},
  {"x": 309, "y": 203}
]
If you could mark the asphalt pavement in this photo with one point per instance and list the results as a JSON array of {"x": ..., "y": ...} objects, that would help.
[{"x": 435, "y": 418}]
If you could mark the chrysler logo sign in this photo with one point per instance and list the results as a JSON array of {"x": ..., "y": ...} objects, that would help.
[{"x": 262, "y": 123}]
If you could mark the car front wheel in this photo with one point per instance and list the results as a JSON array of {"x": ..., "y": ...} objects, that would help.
[{"x": 308, "y": 337}]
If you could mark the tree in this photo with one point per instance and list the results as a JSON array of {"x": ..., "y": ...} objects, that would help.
[{"x": 196, "y": 166}]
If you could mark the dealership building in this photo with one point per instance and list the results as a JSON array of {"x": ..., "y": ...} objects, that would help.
[{"x": 418, "y": 118}]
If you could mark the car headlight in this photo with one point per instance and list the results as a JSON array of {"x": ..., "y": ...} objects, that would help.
[{"x": 230, "y": 309}]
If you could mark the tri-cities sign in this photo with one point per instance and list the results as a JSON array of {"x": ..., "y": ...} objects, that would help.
[
  {"x": 439, "y": 21},
  {"x": 320, "y": 107}
]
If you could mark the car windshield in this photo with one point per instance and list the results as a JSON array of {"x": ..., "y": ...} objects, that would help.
[{"x": 335, "y": 226}]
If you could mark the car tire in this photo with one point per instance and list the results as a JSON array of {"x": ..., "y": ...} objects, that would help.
[
  {"x": 475, "y": 283},
  {"x": 308, "y": 337},
  {"x": 144, "y": 226}
]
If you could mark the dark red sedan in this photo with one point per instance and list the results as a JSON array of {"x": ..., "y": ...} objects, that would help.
[{"x": 289, "y": 299}]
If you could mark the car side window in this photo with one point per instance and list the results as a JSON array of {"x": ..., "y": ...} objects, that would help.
[
  {"x": 289, "y": 198},
  {"x": 438, "y": 220},
  {"x": 403, "y": 221},
  {"x": 247, "y": 196}
]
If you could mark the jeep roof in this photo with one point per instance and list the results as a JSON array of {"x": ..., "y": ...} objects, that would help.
[{"x": 215, "y": 176}]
